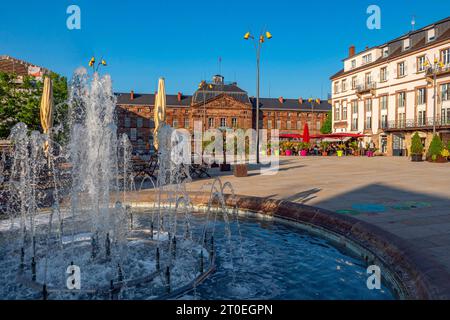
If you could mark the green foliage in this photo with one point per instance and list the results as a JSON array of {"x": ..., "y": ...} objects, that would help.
[
  {"x": 327, "y": 126},
  {"x": 324, "y": 145},
  {"x": 20, "y": 102},
  {"x": 435, "y": 148},
  {"x": 416, "y": 144}
]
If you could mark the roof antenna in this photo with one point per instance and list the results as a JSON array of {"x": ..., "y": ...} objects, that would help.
[{"x": 413, "y": 23}]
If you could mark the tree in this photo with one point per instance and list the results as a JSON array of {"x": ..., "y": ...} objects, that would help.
[
  {"x": 326, "y": 126},
  {"x": 416, "y": 144},
  {"x": 435, "y": 148},
  {"x": 20, "y": 102}
]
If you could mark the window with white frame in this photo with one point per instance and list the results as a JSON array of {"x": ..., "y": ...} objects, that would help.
[
  {"x": 445, "y": 115},
  {"x": 186, "y": 123},
  {"x": 211, "y": 122},
  {"x": 344, "y": 85},
  {"x": 368, "y": 124},
  {"x": 384, "y": 121},
  {"x": 401, "y": 70},
  {"x": 336, "y": 87},
  {"x": 421, "y": 118},
  {"x": 234, "y": 123},
  {"x": 401, "y": 99},
  {"x": 383, "y": 74},
  {"x": 354, "y": 82},
  {"x": 445, "y": 92},
  {"x": 269, "y": 124},
  {"x": 355, "y": 106},
  {"x": 421, "y": 96},
  {"x": 368, "y": 105},
  {"x": 431, "y": 34},
  {"x": 223, "y": 122},
  {"x": 278, "y": 124},
  {"x": 445, "y": 56},
  {"x": 368, "y": 78},
  {"x": 421, "y": 64},
  {"x": 367, "y": 58},
  {"x": 401, "y": 117},
  {"x": 406, "y": 44},
  {"x": 384, "y": 102},
  {"x": 344, "y": 112},
  {"x": 288, "y": 124},
  {"x": 353, "y": 63},
  {"x": 299, "y": 124},
  {"x": 337, "y": 112},
  {"x": 354, "y": 124},
  {"x": 385, "y": 52}
]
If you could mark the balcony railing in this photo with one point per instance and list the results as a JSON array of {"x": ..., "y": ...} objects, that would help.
[
  {"x": 424, "y": 123},
  {"x": 439, "y": 70},
  {"x": 367, "y": 87}
]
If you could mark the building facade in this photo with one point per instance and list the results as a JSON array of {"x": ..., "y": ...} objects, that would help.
[
  {"x": 387, "y": 91},
  {"x": 216, "y": 104}
]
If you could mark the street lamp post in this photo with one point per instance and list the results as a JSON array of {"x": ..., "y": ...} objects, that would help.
[
  {"x": 258, "y": 55},
  {"x": 434, "y": 68}
]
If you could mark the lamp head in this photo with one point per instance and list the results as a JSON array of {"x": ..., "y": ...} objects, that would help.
[
  {"x": 247, "y": 36},
  {"x": 268, "y": 35}
]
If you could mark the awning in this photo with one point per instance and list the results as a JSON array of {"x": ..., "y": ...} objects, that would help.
[
  {"x": 291, "y": 136},
  {"x": 338, "y": 135}
]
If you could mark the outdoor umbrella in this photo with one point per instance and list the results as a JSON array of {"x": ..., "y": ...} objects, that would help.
[
  {"x": 160, "y": 110},
  {"x": 47, "y": 109},
  {"x": 306, "y": 137}
]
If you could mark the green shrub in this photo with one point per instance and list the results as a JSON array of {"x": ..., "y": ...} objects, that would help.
[
  {"x": 416, "y": 144},
  {"x": 435, "y": 148}
]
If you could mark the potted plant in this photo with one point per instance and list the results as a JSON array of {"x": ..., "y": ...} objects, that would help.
[
  {"x": 434, "y": 153},
  {"x": 340, "y": 152},
  {"x": 416, "y": 148},
  {"x": 304, "y": 148},
  {"x": 445, "y": 153},
  {"x": 289, "y": 147},
  {"x": 354, "y": 146},
  {"x": 324, "y": 146}
]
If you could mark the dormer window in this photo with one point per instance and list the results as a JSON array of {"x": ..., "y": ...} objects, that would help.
[
  {"x": 406, "y": 44},
  {"x": 353, "y": 64},
  {"x": 431, "y": 34},
  {"x": 385, "y": 52},
  {"x": 367, "y": 58}
]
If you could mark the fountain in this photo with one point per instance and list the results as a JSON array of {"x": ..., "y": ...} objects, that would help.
[{"x": 72, "y": 227}]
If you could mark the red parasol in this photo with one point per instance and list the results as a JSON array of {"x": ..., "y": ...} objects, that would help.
[{"x": 306, "y": 137}]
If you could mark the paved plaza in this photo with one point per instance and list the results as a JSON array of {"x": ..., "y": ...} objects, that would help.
[{"x": 411, "y": 200}]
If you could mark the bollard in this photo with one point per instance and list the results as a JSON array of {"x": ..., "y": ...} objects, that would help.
[
  {"x": 107, "y": 245},
  {"x": 33, "y": 269},
  {"x": 201, "y": 261},
  {"x": 174, "y": 246},
  {"x": 22, "y": 258},
  {"x": 44, "y": 292},
  {"x": 157, "y": 260},
  {"x": 151, "y": 231},
  {"x": 120, "y": 273},
  {"x": 168, "y": 279}
]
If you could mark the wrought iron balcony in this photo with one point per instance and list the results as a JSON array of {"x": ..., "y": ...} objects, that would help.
[
  {"x": 419, "y": 123},
  {"x": 366, "y": 88}
]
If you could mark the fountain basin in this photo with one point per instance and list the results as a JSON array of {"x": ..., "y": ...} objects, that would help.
[{"x": 410, "y": 274}]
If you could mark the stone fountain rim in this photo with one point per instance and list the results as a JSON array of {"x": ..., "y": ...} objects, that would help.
[{"x": 417, "y": 274}]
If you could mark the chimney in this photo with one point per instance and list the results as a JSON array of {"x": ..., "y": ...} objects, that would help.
[
  {"x": 367, "y": 47},
  {"x": 300, "y": 100},
  {"x": 281, "y": 99},
  {"x": 179, "y": 96},
  {"x": 132, "y": 95},
  {"x": 351, "y": 51}
]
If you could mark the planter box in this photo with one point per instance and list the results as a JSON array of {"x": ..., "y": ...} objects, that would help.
[
  {"x": 288, "y": 153},
  {"x": 240, "y": 170},
  {"x": 416, "y": 158},
  {"x": 340, "y": 153},
  {"x": 303, "y": 153},
  {"x": 324, "y": 154},
  {"x": 439, "y": 159}
]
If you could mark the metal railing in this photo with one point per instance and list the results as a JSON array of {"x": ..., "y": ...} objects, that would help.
[
  {"x": 417, "y": 123},
  {"x": 366, "y": 87}
]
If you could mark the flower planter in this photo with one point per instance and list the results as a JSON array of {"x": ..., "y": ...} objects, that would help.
[
  {"x": 324, "y": 154},
  {"x": 340, "y": 153},
  {"x": 416, "y": 158},
  {"x": 288, "y": 153},
  {"x": 439, "y": 159},
  {"x": 303, "y": 153},
  {"x": 240, "y": 170},
  {"x": 369, "y": 154}
]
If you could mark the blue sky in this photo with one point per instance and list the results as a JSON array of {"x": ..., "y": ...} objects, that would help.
[{"x": 183, "y": 40}]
